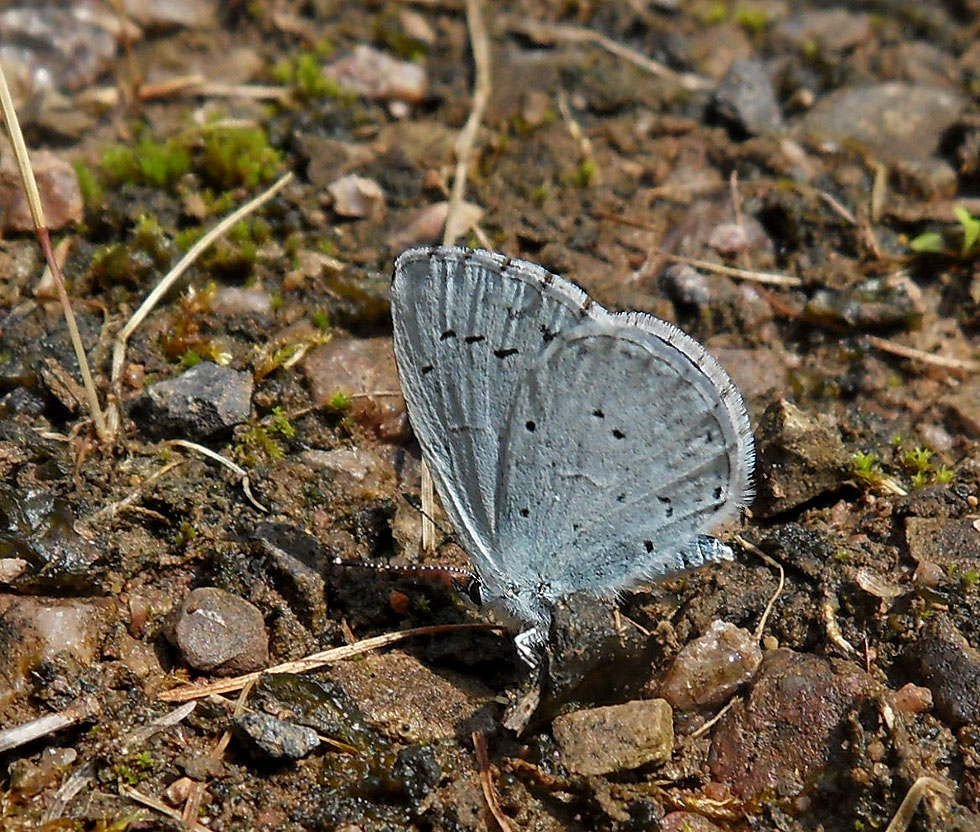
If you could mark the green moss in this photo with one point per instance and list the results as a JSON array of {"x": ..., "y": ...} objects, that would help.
[
  {"x": 264, "y": 438},
  {"x": 970, "y": 577},
  {"x": 962, "y": 241},
  {"x": 584, "y": 173},
  {"x": 865, "y": 467},
  {"x": 189, "y": 359},
  {"x": 917, "y": 459},
  {"x": 280, "y": 425},
  {"x": 713, "y": 14},
  {"x": 93, "y": 194},
  {"x": 234, "y": 157},
  {"x": 186, "y": 237},
  {"x": 304, "y": 73},
  {"x": 158, "y": 164},
  {"x": 320, "y": 320},
  {"x": 339, "y": 403},
  {"x": 143, "y": 256},
  {"x": 754, "y": 19},
  {"x": 539, "y": 194},
  {"x": 185, "y": 534}
]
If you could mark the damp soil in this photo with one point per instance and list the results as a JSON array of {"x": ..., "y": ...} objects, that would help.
[{"x": 839, "y": 148}]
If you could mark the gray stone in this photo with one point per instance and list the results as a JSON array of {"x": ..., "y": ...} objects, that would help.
[
  {"x": 203, "y": 401},
  {"x": 943, "y": 540},
  {"x": 898, "y": 122},
  {"x": 746, "y": 101},
  {"x": 833, "y": 30},
  {"x": 964, "y": 406},
  {"x": 616, "y": 737},
  {"x": 276, "y": 738}
]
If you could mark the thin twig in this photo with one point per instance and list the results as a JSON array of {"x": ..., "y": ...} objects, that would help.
[
  {"x": 903, "y": 817},
  {"x": 44, "y": 238},
  {"x": 755, "y": 550},
  {"x": 112, "y": 508},
  {"x": 731, "y": 271},
  {"x": 27, "y": 732},
  {"x": 119, "y": 347},
  {"x": 157, "y": 806},
  {"x": 316, "y": 660},
  {"x": 231, "y": 466},
  {"x": 480, "y": 44},
  {"x": 829, "y": 607},
  {"x": 716, "y": 718},
  {"x": 550, "y": 32},
  {"x": 920, "y": 355},
  {"x": 486, "y": 783}
]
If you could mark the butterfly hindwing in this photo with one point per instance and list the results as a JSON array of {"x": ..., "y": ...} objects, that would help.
[{"x": 618, "y": 452}]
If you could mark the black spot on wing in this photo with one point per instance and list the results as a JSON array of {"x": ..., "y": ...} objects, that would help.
[{"x": 505, "y": 353}]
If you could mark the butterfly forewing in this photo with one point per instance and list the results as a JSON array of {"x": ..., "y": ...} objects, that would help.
[{"x": 467, "y": 325}]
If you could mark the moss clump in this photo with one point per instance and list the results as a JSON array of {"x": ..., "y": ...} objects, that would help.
[
  {"x": 264, "y": 438},
  {"x": 339, "y": 403},
  {"x": 865, "y": 467},
  {"x": 304, "y": 73},
  {"x": 962, "y": 241},
  {"x": 142, "y": 257},
  {"x": 158, "y": 164},
  {"x": 234, "y": 157},
  {"x": 93, "y": 194},
  {"x": 320, "y": 319}
]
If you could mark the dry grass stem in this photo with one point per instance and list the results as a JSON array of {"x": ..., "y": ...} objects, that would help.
[
  {"x": 486, "y": 783},
  {"x": 920, "y": 355},
  {"x": 157, "y": 806},
  {"x": 480, "y": 44},
  {"x": 44, "y": 238},
  {"x": 551, "y": 33},
  {"x": 315, "y": 660},
  {"x": 903, "y": 817},
  {"x": 731, "y": 271},
  {"x": 35, "y": 729},
  {"x": 221, "y": 460},
  {"x": 755, "y": 550}
]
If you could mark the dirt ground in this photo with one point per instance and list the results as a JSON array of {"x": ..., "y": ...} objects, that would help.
[{"x": 795, "y": 185}]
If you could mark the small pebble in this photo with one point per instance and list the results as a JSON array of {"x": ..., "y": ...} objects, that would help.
[
  {"x": 912, "y": 699},
  {"x": 711, "y": 668},
  {"x": 616, "y": 737},
  {"x": 220, "y": 633},
  {"x": 357, "y": 196}
]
